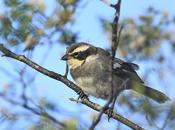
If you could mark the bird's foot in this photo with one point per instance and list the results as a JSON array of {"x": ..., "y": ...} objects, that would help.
[
  {"x": 110, "y": 112},
  {"x": 82, "y": 95}
]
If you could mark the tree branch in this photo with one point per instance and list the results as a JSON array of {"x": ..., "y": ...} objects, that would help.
[
  {"x": 115, "y": 41},
  {"x": 84, "y": 100}
]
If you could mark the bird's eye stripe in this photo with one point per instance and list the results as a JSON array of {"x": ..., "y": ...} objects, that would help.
[
  {"x": 81, "y": 55},
  {"x": 76, "y": 53}
]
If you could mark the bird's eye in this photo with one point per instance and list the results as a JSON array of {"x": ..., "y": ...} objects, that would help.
[{"x": 76, "y": 54}]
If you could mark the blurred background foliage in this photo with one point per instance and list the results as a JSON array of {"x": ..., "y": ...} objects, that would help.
[
  {"x": 24, "y": 22},
  {"x": 26, "y": 26}
]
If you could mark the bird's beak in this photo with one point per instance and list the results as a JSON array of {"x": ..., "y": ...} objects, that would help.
[{"x": 64, "y": 57}]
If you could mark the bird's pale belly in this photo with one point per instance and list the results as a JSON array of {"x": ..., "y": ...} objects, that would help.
[{"x": 94, "y": 87}]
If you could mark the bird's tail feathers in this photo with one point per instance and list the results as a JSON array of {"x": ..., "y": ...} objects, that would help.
[{"x": 151, "y": 93}]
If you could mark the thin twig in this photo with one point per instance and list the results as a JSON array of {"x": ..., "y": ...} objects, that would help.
[
  {"x": 119, "y": 34},
  {"x": 67, "y": 70},
  {"x": 115, "y": 41},
  {"x": 168, "y": 117},
  {"x": 67, "y": 67},
  {"x": 106, "y": 2}
]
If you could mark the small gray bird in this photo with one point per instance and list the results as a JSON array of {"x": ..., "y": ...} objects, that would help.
[{"x": 90, "y": 68}]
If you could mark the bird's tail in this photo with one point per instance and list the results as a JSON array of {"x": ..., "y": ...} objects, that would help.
[{"x": 151, "y": 93}]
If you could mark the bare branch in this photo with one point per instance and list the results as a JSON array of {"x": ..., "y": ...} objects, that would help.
[
  {"x": 115, "y": 36},
  {"x": 115, "y": 41}
]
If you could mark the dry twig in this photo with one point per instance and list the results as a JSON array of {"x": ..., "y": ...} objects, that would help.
[{"x": 115, "y": 41}]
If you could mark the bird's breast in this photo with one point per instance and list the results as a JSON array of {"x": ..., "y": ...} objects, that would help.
[{"x": 93, "y": 78}]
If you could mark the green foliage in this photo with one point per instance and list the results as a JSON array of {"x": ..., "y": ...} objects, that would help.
[
  {"x": 70, "y": 125},
  {"x": 19, "y": 22},
  {"x": 12, "y": 3},
  {"x": 143, "y": 36},
  {"x": 26, "y": 23},
  {"x": 43, "y": 124}
]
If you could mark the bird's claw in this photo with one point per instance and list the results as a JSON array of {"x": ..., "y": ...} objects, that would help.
[
  {"x": 82, "y": 95},
  {"x": 110, "y": 113}
]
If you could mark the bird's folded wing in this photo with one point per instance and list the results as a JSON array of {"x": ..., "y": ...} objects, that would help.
[{"x": 126, "y": 69}]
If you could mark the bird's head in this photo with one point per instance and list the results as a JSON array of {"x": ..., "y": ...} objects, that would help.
[{"x": 78, "y": 54}]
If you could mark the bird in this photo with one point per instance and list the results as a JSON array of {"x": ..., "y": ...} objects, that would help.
[{"x": 90, "y": 68}]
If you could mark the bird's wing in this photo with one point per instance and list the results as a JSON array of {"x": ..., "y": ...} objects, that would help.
[
  {"x": 126, "y": 69},
  {"x": 126, "y": 65}
]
